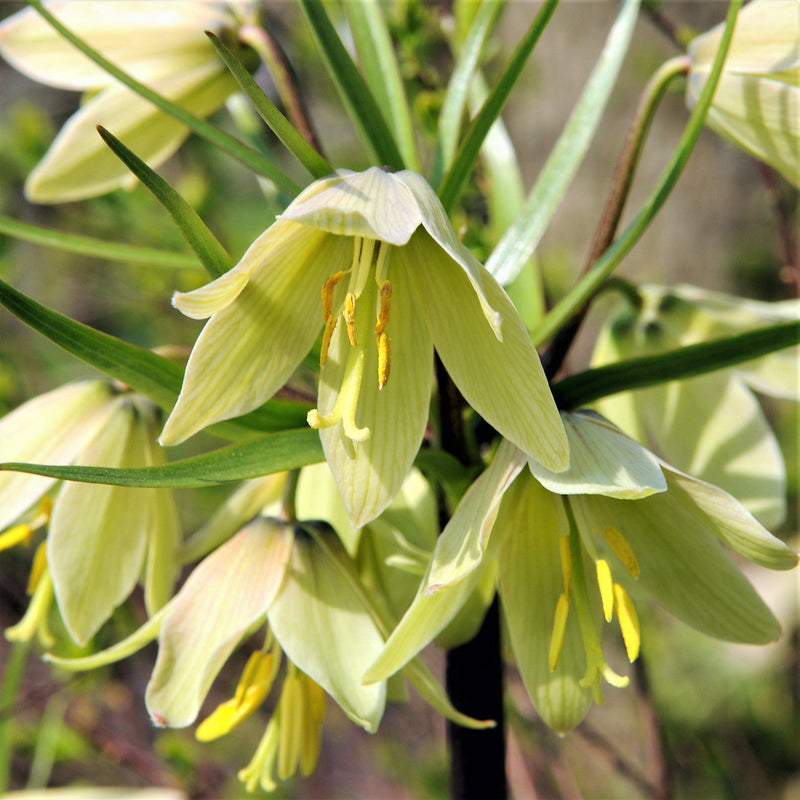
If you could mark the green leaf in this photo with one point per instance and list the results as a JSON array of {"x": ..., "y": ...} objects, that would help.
[
  {"x": 314, "y": 163},
  {"x": 358, "y": 99},
  {"x": 685, "y": 362},
  {"x": 246, "y": 155},
  {"x": 96, "y": 248},
  {"x": 589, "y": 283},
  {"x": 142, "y": 370},
  {"x": 213, "y": 255},
  {"x": 273, "y": 452},
  {"x": 378, "y": 60},
  {"x": 471, "y": 144},
  {"x": 521, "y": 239}
]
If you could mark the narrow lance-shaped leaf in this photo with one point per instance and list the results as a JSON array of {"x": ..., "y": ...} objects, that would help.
[
  {"x": 246, "y": 155},
  {"x": 313, "y": 162},
  {"x": 271, "y": 453},
  {"x": 697, "y": 359},
  {"x": 357, "y": 97},
  {"x": 142, "y": 370},
  {"x": 96, "y": 248},
  {"x": 470, "y": 146},
  {"x": 521, "y": 239},
  {"x": 213, "y": 255}
]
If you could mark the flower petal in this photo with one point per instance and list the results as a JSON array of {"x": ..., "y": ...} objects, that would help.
[
  {"x": 373, "y": 204},
  {"x": 79, "y": 164},
  {"x": 602, "y": 460},
  {"x": 144, "y": 41},
  {"x": 224, "y": 596},
  {"x": 249, "y": 349},
  {"x": 98, "y": 534},
  {"x": 369, "y": 473},
  {"x": 50, "y": 429},
  {"x": 327, "y": 632},
  {"x": 503, "y": 381},
  {"x": 682, "y": 564},
  {"x": 318, "y": 498},
  {"x": 461, "y": 546},
  {"x": 529, "y": 525}
]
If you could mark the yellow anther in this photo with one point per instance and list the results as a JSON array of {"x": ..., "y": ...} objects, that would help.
[
  {"x": 292, "y": 711},
  {"x": 314, "y": 697},
  {"x": 384, "y": 358},
  {"x": 16, "y": 534},
  {"x": 559, "y": 629},
  {"x": 383, "y": 314},
  {"x": 330, "y": 327},
  {"x": 606, "y": 588},
  {"x": 622, "y": 550},
  {"x": 327, "y": 294},
  {"x": 628, "y": 621},
  {"x": 350, "y": 317},
  {"x": 566, "y": 567},
  {"x": 38, "y": 567}
]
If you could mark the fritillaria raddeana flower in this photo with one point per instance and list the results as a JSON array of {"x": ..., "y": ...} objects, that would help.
[{"x": 371, "y": 259}]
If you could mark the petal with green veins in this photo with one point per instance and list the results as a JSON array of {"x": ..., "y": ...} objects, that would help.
[
  {"x": 327, "y": 632},
  {"x": 603, "y": 460},
  {"x": 222, "y": 599}
]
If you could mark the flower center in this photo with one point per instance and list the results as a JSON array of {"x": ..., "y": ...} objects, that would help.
[{"x": 367, "y": 289}]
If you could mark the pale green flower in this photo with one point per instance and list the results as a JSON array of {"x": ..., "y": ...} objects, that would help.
[
  {"x": 710, "y": 426},
  {"x": 757, "y": 101},
  {"x": 100, "y": 539},
  {"x": 379, "y": 248},
  {"x": 573, "y": 548},
  {"x": 161, "y": 43}
]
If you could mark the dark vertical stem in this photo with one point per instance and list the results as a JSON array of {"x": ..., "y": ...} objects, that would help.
[{"x": 474, "y": 670}]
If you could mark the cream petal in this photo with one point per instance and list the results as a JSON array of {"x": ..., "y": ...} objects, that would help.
[
  {"x": 502, "y": 381},
  {"x": 50, "y": 429},
  {"x": 248, "y": 350},
  {"x": 461, "y": 547},
  {"x": 325, "y": 629},
  {"x": 682, "y": 564},
  {"x": 602, "y": 460},
  {"x": 372, "y": 204},
  {"x": 528, "y": 526},
  {"x": 145, "y": 41},
  {"x": 225, "y": 595},
  {"x": 79, "y": 164},
  {"x": 369, "y": 473},
  {"x": 98, "y": 534}
]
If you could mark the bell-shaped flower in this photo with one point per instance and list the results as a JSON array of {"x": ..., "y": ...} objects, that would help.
[
  {"x": 101, "y": 539},
  {"x": 574, "y": 548},
  {"x": 395, "y": 282},
  {"x": 160, "y": 43},
  {"x": 711, "y": 426},
  {"x": 757, "y": 101}
]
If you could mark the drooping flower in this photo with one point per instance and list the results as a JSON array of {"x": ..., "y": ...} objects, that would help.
[
  {"x": 757, "y": 101},
  {"x": 161, "y": 43},
  {"x": 395, "y": 283},
  {"x": 100, "y": 539},
  {"x": 710, "y": 426},
  {"x": 574, "y": 548}
]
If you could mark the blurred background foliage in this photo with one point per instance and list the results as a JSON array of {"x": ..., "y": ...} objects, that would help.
[{"x": 703, "y": 720}]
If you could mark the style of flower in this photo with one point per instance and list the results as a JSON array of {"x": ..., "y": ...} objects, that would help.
[
  {"x": 100, "y": 539},
  {"x": 710, "y": 426},
  {"x": 380, "y": 249},
  {"x": 160, "y": 43},
  {"x": 757, "y": 101},
  {"x": 572, "y": 549}
]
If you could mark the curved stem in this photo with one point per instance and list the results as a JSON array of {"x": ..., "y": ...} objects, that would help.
[
  {"x": 618, "y": 194},
  {"x": 289, "y": 495}
]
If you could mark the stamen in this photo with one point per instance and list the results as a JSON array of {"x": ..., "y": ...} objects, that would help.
[
  {"x": 559, "y": 629},
  {"x": 622, "y": 550},
  {"x": 350, "y": 317},
  {"x": 38, "y": 567},
  {"x": 384, "y": 359},
  {"x": 606, "y": 588},
  {"x": 628, "y": 621},
  {"x": 16, "y": 534},
  {"x": 327, "y": 335},
  {"x": 385, "y": 301},
  {"x": 314, "y": 698},
  {"x": 291, "y": 725},
  {"x": 566, "y": 569},
  {"x": 327, "y": 294}
]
